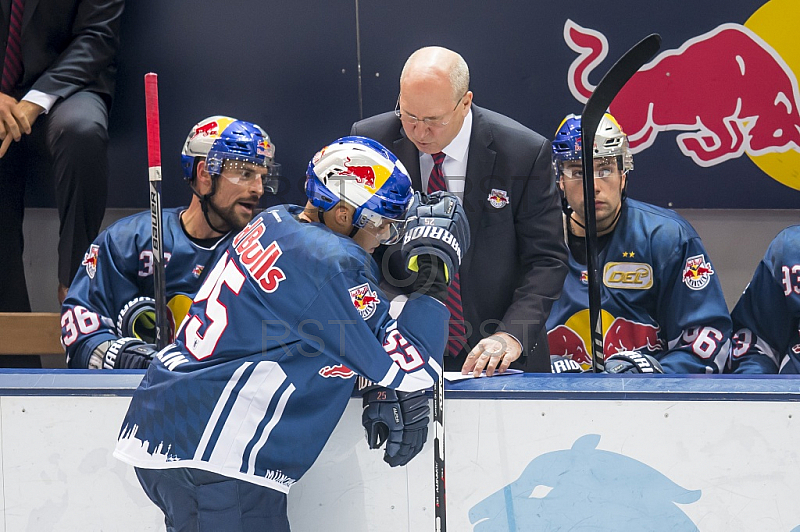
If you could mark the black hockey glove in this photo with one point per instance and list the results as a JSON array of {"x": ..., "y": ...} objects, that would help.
[
  {"x": 398, "y": 418},
  {"x": 559, "y": 364},
  {"x": 632, "y": 362},
  {"x": 129, "y": 353},
  {"x": 436, "y": 225},
  {"x": 137, "y": 319}
]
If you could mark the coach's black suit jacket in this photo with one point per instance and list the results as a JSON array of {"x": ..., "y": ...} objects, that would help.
[
  {"x": 516, "y": 264},
  {"x": 67, "y": 45}
]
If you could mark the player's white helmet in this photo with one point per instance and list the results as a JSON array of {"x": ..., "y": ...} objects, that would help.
[
  {"x": 254, "y": 143},
  {"x": 609, "y": 141},
  {"x": 364, "y": 174}
]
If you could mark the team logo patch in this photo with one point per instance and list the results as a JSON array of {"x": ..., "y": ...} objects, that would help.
[
  {"x": 197, "y": 271},
  {"x": 697, "y": 272},
  {"x": 90, "y": 260},
  {"x": 364, "y": 300},
  {"x": 628, "y": 275},
  {"x": 585, "y": 277},
  {"x": 498, "y": 198},
  {"x": 339, "y": 370}
]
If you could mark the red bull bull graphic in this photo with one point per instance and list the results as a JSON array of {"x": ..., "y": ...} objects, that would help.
[
  {"x": 90, "y": 260},
  {"x": 363, "y": 174},
  {"x": 364, "y": 300},
  {"x": 572, "y": 340},
  {"x": 697, "y": 272},
  {"x": 339, "y": 370},
  {"x": 728, "y": 92},
  {"x": 498, "y": 198},
  {"x": 209, "y": 128}
]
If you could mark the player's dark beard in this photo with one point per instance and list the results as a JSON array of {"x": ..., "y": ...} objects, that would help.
[{"x": 228, "y": 219}]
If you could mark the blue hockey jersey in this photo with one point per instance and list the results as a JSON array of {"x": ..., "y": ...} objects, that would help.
[
  {"x": 118, "y": 267},
  {"x": 660, "y": 295},
  {"x": 264, "y": 364},
  {"x": 767, "y": 316}
]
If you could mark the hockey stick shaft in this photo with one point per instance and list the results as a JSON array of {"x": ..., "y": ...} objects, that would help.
[
  {"x": 154, "y": 163},
  {"x": 440, "y": 506},
  {"x": 611, "y": 84}
]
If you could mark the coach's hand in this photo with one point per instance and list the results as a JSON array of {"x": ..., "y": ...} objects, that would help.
[
  {"x": 495, "y": 352},
  {"x": 398, "y": 418}
]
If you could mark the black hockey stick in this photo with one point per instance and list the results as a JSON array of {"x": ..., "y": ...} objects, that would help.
[
  {"x": 440, "y": 506},
  {"x": 593, "y": 111},
  {"x": 154, "y": 163}
]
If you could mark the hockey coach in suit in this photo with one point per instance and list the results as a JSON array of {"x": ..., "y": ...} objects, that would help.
[{"x": 501, "y": 170}]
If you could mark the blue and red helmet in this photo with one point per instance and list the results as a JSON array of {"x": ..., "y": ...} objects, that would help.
[
  {"x": 362, "y": 173},
  {"x": 609, "y": 141},
  {"x": 222, "y": 138}
]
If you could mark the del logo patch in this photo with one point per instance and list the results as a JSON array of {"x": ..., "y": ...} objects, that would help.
[
  {"x": 364, "y": 300},
  {"x": 697, "y": 272},
  {"x": 628, "y": 275},
  {"x": 90, "y": 260},
  {"x": 498, "y": 198}
]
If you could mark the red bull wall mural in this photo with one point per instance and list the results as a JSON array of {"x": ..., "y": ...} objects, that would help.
[{"x": 713, "y": 118}]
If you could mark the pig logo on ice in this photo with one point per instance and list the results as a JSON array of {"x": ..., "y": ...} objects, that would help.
[
  {"x": 728, "y": 90},
  {"x": 572, "y": 488}
]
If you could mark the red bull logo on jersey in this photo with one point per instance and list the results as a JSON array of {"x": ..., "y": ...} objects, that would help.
[
  {"x": 197, "y": 271},
  {"x": 572, "y": 339},
  {"x": 727, "y": 91},
  {"x": 339, "y": 370},
  {"x": 364, "y": 300},
  {"x": 697, "y": 272},
  {"x": 498, "y": 198},
  {"x": 584, "y": 277},
  {"x": 90, "y": 260}
]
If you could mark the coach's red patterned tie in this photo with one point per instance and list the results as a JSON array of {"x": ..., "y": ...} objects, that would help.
[
  {"x": 12, "y": 66},
  {"x": 456, "y": 340}
]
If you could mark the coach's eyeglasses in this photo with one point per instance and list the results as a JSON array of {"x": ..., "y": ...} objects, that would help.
[{"x": 432, "y": 122}]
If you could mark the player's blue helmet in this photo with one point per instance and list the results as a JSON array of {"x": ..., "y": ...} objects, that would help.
[
  {"x": 609, "y": 141},
  {"x": 222, "y": 138},
  {"x": 364, "y": 174}
]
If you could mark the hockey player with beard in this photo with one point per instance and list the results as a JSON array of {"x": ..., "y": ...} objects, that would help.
[
  {"x": 229, "y": 417},
  {"x": 108, "y": 316}
]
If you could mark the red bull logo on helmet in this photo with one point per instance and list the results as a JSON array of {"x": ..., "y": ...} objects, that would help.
[
  {"x": 364, "y": 300},
  {"x": 697, "y": 272},
  {"x": 90, "y": 260},
  {"x": 372, "y": 177},
  {"x": 728, "y": 92}
]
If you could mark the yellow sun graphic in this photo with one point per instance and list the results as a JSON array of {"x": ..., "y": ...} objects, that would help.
[{"x": 776, "y": 22}]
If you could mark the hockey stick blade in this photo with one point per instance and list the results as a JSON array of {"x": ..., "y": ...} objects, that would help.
[{"x": 608, "y": 88}]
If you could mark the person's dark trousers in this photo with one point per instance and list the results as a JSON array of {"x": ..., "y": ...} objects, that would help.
[
  {"x": 194, "y": 500},
  {"x": 67, "y": 147}
]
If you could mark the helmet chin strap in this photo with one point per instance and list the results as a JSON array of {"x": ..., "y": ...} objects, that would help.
[{"x": 205, "y": 203}]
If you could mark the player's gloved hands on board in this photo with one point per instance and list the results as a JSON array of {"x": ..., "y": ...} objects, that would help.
[
  {"x": 137, "y": 319},
  {"x": 559, "y": 364},
  {"x": 632, "y": 362},
  {"x": 398, "y": 418},
  {"x": 437, "y": 226},
  {"x": 129, "y": 353}
]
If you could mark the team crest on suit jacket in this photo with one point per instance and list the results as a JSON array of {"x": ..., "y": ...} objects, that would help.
[{"x": 498, "y": 198}]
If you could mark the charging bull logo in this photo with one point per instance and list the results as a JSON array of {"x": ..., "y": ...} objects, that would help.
[
  {"x": 728, "y": 90},
  {"x": 363, "y": 174},
  {"x": 209, "y": 128},
  {"x": 364, "y": 300},
  {"x": 90, "y": 260},
  {"x": 573, "y": 341},
  {"x": 586, "y": 488},
  {"x": 339, "y": 370},
  {"x": 697, "y": 272}
]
